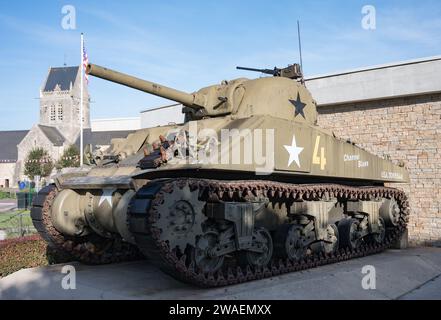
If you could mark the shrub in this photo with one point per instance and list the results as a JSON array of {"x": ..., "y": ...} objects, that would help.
[
  {"x": 69, "y": 159},
  {"x": 7, "y": 195},
  {"x": 38, "y": 163},
  {"x": 26, "y": 252}
]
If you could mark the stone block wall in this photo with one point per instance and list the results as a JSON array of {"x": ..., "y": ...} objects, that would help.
[
  {"x": 7, "y": 172},
  {"x": 407, "y": 129}
]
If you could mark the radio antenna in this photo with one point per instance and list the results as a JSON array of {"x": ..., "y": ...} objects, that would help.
[{"x": 300, "y": 46}]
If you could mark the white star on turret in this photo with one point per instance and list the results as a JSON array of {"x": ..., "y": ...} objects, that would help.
[
  {"x": 294, "y": 152},
  {"x": 107, "y": 196}
]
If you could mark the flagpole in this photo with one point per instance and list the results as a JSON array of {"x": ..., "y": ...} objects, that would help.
[{"x": 81, "y": 102}]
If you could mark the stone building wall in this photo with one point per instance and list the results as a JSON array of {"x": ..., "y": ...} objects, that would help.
[
  {"x": 57, "y": 109},
  {"x": 407, "y": 129},
  {"x": 36, "y": 139},
  {"x": 7, "y": 172}
]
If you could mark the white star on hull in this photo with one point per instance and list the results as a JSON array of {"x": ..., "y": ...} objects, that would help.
[
  {"x": 294, "y": 152},
  {"x": 107, "y": 196}
]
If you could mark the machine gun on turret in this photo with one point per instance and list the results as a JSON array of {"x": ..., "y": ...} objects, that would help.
[{"x": 292, "y": 71}]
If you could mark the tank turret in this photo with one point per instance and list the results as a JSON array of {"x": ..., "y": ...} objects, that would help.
[{"x": 279, "y": 96}]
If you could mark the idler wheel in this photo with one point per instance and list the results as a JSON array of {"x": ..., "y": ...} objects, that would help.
[
  {"x": 390, "y": 212},
  {"x": 261, "y": 252}
]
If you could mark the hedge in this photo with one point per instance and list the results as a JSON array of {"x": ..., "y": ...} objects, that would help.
[
  {"x": 26, "y": 252},
  {"x": 7, "y": 195}
]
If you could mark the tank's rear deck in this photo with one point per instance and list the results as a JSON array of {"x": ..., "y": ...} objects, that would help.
[{"x": 403, "y": 274}]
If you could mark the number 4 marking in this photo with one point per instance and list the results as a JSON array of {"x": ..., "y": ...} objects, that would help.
[{"x": 316, "y": 159}]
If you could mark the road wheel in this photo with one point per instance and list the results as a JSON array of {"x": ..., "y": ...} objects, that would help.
[
  {"x": 349, "y": 235},
  {"x": 263, "y": 242}
]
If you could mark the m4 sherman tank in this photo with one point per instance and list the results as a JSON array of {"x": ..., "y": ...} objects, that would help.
[{"x": 247, "y": 187}]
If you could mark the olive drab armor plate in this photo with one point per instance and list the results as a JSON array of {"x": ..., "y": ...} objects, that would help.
[{"x": 272, "y": 103}]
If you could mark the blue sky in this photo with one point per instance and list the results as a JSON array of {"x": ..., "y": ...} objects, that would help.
[{"x": 193, "y": 43}]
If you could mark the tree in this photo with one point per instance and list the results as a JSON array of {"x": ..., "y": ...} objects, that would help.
[
  {"x": 38, "y": 163},
  {"x": 69, "y": 159}
]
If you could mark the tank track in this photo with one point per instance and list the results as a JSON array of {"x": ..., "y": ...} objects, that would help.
[
  {"x": 91, "y": 249},
  {"x": 143, "y": 214}
]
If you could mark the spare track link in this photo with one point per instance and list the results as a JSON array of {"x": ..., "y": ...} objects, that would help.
[
  {"x": 142, "y": 215},
  {"x": 91, "y": 249}
]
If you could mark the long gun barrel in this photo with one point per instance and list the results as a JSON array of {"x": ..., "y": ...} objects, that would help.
[{"x": 145, "y": 86}]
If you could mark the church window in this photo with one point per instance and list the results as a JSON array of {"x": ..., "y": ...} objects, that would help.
[
  {"x": 60, "y": 112},
  {"x": 53, "y": 112}
]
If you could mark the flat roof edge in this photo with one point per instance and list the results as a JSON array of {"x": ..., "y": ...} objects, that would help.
[
  {"x": 375, "y": 67},
  {"x": 115, "y": 119},
  {"x": 346, "y": 102}
]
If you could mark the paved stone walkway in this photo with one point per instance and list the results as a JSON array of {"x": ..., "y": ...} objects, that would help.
[
  {"x": 7, "y": 205},
  {"x": 400, "y": 274}
]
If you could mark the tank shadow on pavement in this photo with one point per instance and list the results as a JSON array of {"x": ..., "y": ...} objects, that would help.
[{"x": 400, "y": 274}]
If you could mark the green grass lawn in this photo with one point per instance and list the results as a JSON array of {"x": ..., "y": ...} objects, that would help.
[{"x": 10, "y": 222}]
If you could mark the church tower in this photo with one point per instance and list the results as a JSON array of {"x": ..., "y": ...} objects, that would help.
[{"x": 60, "y": 102}]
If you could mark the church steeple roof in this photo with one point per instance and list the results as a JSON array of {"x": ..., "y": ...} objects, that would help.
[
  {"x": 62, "y": 77},
  {"x": 53, "y": 134}
]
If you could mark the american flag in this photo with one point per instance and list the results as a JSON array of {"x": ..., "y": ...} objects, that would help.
[{"x": 85, "y": 63}]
